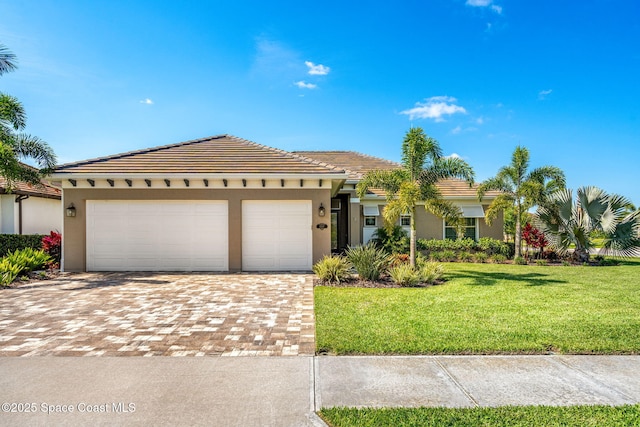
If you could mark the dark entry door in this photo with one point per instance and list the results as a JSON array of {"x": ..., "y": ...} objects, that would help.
[{"x": 339, "y": 223}]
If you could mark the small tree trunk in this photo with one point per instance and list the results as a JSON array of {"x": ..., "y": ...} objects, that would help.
[
  {"x": 412, "y": 239},
  {"x": 518, "y": 236}
]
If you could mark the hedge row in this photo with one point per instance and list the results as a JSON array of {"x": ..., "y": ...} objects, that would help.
[{"x": 12, "y": 242}]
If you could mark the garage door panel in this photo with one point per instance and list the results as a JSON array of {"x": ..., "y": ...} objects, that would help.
[
  {"x": 276, "y": 235},
  {"x": 157, "y": 235}
]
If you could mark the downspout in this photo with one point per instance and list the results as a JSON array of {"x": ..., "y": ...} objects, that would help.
[{"x": 19, "y": 199}]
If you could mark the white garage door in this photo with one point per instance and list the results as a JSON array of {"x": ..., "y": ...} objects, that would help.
[
  {"x": 124, "y": 235},
  {"x": 276, "y": 235}
]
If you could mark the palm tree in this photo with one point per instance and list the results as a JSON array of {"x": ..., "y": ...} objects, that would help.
[
  {"x": 423, "y": 165},
  {"x": 565, "y": 222},
  {"x": 520, "y": 189},
  {"x": 15, "y": 145},
  {"x": 7, "y": 60}
]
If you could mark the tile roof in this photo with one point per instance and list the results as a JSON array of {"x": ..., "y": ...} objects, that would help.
[
  {"x": 23, "y": 188},
  {"x": 357, "y": 164},
  {"x": 222, "y": 154}
]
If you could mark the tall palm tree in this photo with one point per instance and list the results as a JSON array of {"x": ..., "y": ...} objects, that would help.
[
  {"x": 520, "y": 189},
  {"x": 15, "y": 145},
  {"x": 565, "y": 222},
  {"x": 423, "y": 165}
]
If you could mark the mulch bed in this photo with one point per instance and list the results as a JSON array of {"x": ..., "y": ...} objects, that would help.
[{"x": 384, "y": 282}]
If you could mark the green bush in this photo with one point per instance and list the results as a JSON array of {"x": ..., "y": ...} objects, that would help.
[
  {"x": 436, "y": 256},
  {"x": 16, "y": 242},
  {"x": 393, "y": 240},
  {"x": 369, "y": 261},
  {"x": 493, "y": 246},
  {"x": 520, "y": 260},
  {"x": 465, "y": 256},
  {"x": 499, "y": 259},
  {"x": 333, "y": 269},
  {"x": 480, "y": 257},
  {"x": 404, "y": 275},
  {"x": 542, "y": 262},
  {"x": 431, "y": 272},
  {"x": 449, "y": 255},
  {"x": 21, "y": 261}
]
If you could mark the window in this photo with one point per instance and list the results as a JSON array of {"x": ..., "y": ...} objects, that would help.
[
  {"x": 469, "y": 230},
  {"x": 370, "y": 221},
  {"x": 405, "y": 221}
]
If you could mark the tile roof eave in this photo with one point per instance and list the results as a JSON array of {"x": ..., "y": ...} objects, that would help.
[{"x": 333, "y": 175}]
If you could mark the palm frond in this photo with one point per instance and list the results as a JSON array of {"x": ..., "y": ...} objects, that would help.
[
  {"x": 7, "y": 60},
  {"x": 387, "y": 180},
  {"x": 12, "y": 114},
  {"x": 447, "y": 168},
  {"x": 31, "y": 147}
]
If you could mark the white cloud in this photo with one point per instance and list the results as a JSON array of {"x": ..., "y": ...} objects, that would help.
[
  {"x": 485, "y": 3},
  {"x": 434, "y": 108},
  {"x": 317, "y": 70},
  {"x": 146, "y": 101},
  {"x": 454, "y": 156},
  {"x": 543, "y": 93},
  {"x": 456, "y": 130},
  {"x": 304, "y": 85}
]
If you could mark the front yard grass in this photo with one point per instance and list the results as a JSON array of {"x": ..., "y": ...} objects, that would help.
[
  {"x": 508, "y": 416},
  {"x": 489, "y": 309}
]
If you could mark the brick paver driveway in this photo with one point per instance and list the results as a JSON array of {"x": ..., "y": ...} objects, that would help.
[{"x": 148, "y": 314}]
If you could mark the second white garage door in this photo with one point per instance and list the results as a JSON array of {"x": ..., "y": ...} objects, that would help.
[
  {"x": 276, "y": 235},
  {"x": 125, "y": 235}
]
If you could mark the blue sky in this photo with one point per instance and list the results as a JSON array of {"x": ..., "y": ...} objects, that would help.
[{"x": 480, "y": 76}]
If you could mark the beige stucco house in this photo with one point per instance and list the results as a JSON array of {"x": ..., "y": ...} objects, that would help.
[{"x": 224, "y": 204}]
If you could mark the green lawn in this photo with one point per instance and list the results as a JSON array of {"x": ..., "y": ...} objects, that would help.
[
  {"x": 509, "y": 416},
  {"x": 489, "y": 309}
]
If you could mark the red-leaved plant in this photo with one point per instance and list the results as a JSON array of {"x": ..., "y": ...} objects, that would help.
[
  {"x": 52, "y": 244},
  {"x": 534, "y": 238}
]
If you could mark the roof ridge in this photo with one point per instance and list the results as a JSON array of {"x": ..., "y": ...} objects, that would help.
[
  {"x": 142, "y": 151},
  {"x": 290, "y": 154},
  {"x": 351, "y": 152}
]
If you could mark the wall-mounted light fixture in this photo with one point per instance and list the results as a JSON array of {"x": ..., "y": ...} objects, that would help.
[
  {"x": 321, "y": 210},
  {"x": 71, "y": 210}
]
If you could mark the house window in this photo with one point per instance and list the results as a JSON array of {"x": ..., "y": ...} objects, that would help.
[
  {"x": 370, "y": 221},
  {"x": 405, "y": 221},
  {"x": 469, "y": 229}
]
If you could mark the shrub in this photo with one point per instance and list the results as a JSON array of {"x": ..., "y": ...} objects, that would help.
[
  {"x": 449, "y": 255},
  {"x": 8, "y": 272},
  {"x": 397, "y": 259},
  {"x": 604, "y": 262},
  {"x": 542, "y": 262},
  {"x": 21, "y": 261},
  {"x": 499, "y": 259},
  {"x": 465, "y": 256},
  {"x": 431, "y": 272},
  {"x": 369, "y": 261},
  {"x": 52, "y": 245},
  {"x": 404, "y": 275},
  {"x": 480, "y": 257},
  {"x": 393, "y": 240},
  {"x": 493, "y": 246},
  {"x": 520, "y": 260},
  {"x": 332, "y": 269},
  {"x": 436, "y": 256},
  {"x": 16, "y": 242}
]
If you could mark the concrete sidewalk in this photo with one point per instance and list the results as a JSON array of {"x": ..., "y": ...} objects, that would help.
[{"x": 285, "y": 391}]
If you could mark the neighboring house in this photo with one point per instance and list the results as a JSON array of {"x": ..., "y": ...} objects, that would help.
[
  {"x": 227, "y": 204},
  {"x": 356, "y": 219},
  {"x": 30, "y": 209}
]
